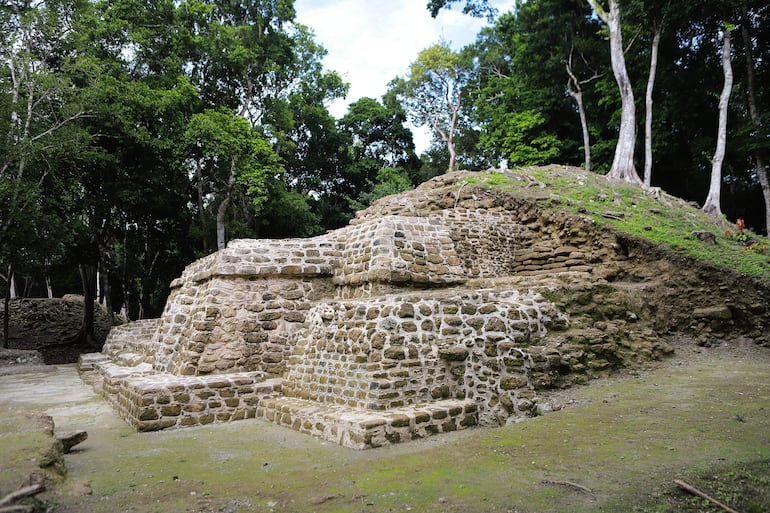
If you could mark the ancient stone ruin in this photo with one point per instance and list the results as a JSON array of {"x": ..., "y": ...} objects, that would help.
[{"x": 426, "y": 314}]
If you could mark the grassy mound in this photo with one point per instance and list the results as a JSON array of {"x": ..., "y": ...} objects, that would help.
[{"x": 648, "y": 214}]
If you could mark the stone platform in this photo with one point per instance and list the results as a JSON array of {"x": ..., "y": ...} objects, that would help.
[
  {"x": 359, "y": 428},
  {"x": 150, "y": 401},
  {"x": 366, "y": 336}
]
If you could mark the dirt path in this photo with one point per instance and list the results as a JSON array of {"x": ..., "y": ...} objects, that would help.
[{"x": 624, "y": 438}]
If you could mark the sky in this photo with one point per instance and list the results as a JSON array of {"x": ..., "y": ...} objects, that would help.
[{"x": 371, "y": 42}]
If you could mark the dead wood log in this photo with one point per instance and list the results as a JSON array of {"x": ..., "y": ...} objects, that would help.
[
  {"x": 19, "y": 508},
  {"x": 570, "y": 484},
  {"x": 21, "y": 493},
  {"x": 7, "y": 503},
  {"x": 694, "y": 491},
  {"x": 617, "y": 216}
]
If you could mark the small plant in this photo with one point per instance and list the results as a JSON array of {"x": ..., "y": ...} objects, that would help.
[{"x": 746, "y": 239}]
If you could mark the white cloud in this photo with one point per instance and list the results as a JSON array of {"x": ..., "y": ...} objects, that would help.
[{"x": 372, "y": 42}]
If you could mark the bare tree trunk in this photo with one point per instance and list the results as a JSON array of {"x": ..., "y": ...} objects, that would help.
[
  {"x": 575, "y": 90},
  {"x": 7, "y": 304},
  {"x": 713, "y": 200},
  {"x": 13, "y": 293},
  {"x": 451, "y": 138},
  {"x": 450, "y": 145},
  {"x": 648, "y": 106},
  {"x": 224, "y": 205},
  {"x": 106, "y": 291},
  {"x": 764, "y": 182},
  {"x": 88, "y": 278},
  {"x": 623, "y": 163},
  {"x": 99, "y": 291},
  {"x": 586, "y": 135},
  {"x": 201, "y": 213},
  {"x": 449, "y": 135},
  {"x": 759, "y": 162}
]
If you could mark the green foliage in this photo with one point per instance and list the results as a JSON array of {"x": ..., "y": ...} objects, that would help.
[
  {"x": 519, "y": 89},
  {"x": 378, "y": 133},
  {"x": 477, "y": 8},
  {"x": 389, "y": 181},
  {"x": 287, "y": 213},
  {"x": 41, "y": 120},
  {"x": 516, "y": 137},
  {"x": 226, "y": 145},
  {"x": 432, "y": 93},
  {"x": 138, "y": 139}
]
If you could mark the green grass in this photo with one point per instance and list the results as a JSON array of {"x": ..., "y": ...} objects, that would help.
[
  {"x": 744, "y": 487},
  {"x": 660, "y": 219},
  {"x": 625, "y": 440}
]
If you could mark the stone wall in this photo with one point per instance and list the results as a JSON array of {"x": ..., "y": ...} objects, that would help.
[
  {"x": 232, "y": 311},
  {"x": 150, "y": 401},
  {"x": 397, "y": 251},
  {"x": 390, "y": 352},
  {"x": 37, "y": 323},
  {"x": 131, "y": 344},
  {"x": 363, "y": 429}
]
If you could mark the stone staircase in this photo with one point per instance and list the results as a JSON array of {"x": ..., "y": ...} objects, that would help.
[{"x": 359, "y": 428}]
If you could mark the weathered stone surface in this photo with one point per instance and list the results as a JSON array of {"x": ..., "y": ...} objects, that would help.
[
  {"x": 354, "y": 336},
  {"x": 38, "y": 323},
  {"x": 70, "y": 439},
  {"x": 720, "y": 312},
  {"x": 453, "y": 353}
]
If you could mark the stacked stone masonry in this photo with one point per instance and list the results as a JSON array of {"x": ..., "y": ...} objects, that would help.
[{"x": 367, "y": 335}]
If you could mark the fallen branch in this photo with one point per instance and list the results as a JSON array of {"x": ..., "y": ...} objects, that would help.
[
  {"x": 531, "y": 180},
  {"x": 617, "y": 216},
  {"x": 694, "y": 491},
  {"x": 570, "y": 484},
  {"x": 17, "y": 509},
  {"x": 27, "y": 491}
]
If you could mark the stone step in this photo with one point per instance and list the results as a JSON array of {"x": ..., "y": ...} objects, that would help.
[
  {"x": 129, "y": 359},
  {"x": 359, "y": 428},
  {"x": 150, "y": 401},
  {"x": 87, "y": 361}
]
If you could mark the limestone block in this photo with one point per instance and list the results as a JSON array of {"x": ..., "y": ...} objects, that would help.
[
  {"x": 719, "y": 312},
  {"x": 453, "y": 353}
]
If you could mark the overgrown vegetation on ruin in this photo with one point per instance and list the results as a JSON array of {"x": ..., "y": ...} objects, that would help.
[{"x": 649, "y": 214}]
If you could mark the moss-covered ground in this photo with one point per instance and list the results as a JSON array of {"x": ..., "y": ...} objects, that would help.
[{"x": 701, "y": 417}]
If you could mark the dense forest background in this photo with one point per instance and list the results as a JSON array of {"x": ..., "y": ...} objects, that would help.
[{"x": 138, "y": 135}]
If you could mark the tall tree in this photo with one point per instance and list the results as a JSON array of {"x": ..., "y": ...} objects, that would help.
[
  {"x": 575, "y": 90},
  {"x": 383, "y": 149},
  {"x": 658, "y": 21},
  {"x": 379, "y": 133},
  {"x": 623, "y": 163},
  {"x": 41, "y": 110},
  {"x": 231, "y": 154},
  {"x": 240, "y": 54},
  {"x": 432, "y": 93},
  {"x": 712, "y": 205},
  {"x": 751, "y": 93},
  {"x": 518, "y": 88}
]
